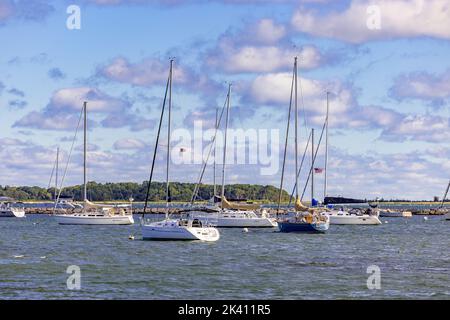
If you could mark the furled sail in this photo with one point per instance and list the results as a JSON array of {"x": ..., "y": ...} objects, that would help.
[
  {"x": 299, "y": 206},
  {"x": 239, "y": 206}
]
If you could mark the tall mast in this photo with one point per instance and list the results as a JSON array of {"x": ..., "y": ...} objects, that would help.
[
  {"x": 445, "y": 195},
  {"x": 85, "y": 151},
  {"x": 296, "y": 129},
  {"x": 56, "y": 173},
  {"x": 214, "y": 163},
  {"x": 285, "y": 144},
  {"x": 168, "y": 134},
  {"x": 225, "y": 145},
  {"x": 325, "y": 185},
  {"x": 312, "y": 166}
]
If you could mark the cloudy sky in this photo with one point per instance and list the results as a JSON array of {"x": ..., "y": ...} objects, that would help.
[{"x": 389, "y": 80}]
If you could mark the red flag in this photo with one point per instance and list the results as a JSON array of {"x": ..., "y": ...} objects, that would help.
[{"x": 318, "y": 170}]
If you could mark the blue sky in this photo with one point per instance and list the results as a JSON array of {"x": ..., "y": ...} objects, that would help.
[{"x": 390, "y": 107}]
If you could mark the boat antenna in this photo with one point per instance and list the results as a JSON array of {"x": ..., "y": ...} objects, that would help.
[
  {"x": 285, "y": 145},
  {"x": 225, "y": 145},
  {"x": 156, "y": 146}
]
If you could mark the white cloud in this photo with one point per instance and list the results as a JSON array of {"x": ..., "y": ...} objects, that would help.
[
  {"x": 248, "y": 58},
  {"x": 419, "y": 127},
  {"x": 275, "y": 88},
  {"x": 399, "y": 18},
  {"x": 71, "y": 99},
  {"x": 422, "y": 85},
  {"x": 129, "y": 144}
]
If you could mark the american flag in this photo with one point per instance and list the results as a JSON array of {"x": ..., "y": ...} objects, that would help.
[{"x": 318, "y": 170}]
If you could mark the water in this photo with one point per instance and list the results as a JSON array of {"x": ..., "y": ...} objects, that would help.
[{"x": 413, "y": 255}]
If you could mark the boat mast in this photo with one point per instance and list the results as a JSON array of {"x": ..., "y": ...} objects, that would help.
[
  {"x": 312, "y": 166},
  {"x": 150, "y": 179},
  {"x": 296, "y": 129},
  {"x": 445, "y": 195},
  {"x": 168, "y": 137},
  {"x": 85, "y": 150},
  {"x": 285, "y": 144},
  {"x": 325, "y": 185},
  {"x": 56, "y": 173},
  {"x": 214, "y": 163},
  {"x": 225, "y": 146}
]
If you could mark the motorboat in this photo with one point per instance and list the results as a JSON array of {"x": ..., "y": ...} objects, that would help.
[
  {"x": 353, "y": 216},
  {"x": 10, "y": 208}
]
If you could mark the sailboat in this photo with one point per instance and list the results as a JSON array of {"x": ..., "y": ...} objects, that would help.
[
  {"x": 90, "y": 213},
  {"x": 304, "y": 219},
  {"x": 447, "y": 215},
  {"x": 344, "y": 217},
  {"x": 10, "y": 208},
  {"x": 234, "y": 215},
  {"x": 173, "y": 229}
]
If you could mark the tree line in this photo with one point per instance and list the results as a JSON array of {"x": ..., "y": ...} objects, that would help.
[{"x": 123, "y": 191}]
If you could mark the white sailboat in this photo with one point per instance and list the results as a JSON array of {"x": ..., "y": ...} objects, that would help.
[
  {"x": 344, "y": 217},
  {"x": 9, "y": 208},
  {"x": 234, "y": 215},
  {"x": 173, "y": 229},
  {"x": 90, "y": 213}
]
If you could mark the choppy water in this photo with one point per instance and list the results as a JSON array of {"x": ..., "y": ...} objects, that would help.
[{"x": 413, "y": 255}]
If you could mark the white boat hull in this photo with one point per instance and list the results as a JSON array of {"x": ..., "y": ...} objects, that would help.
[
  {"x": 171, "y": 230},
  {"x": 17, "y": 213},
  {"x": 228, "y": 222},
  {"x": 237, "y": 219},
  {"x": 94, "y": 219},
  {"x": 347, "y": 219},
  {"x": 395, "y": 214}
]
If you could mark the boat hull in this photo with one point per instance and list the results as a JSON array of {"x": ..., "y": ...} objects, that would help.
[
  {"x": 246, "y": 223},
  {"x": 287, "y": 226},
  {"x": 447, "y": 216},
  {"x": 236, "y": 219},
  {"x": 94, "y": 220},
  {"x": 17, "y": 213},
  {"x": 170, "y": 230},
  {"x": 395, "y": 214},
  {"x": 349, "y": 219}
]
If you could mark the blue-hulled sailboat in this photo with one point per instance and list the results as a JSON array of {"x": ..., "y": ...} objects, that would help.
[{"x": 304, "y": 219}]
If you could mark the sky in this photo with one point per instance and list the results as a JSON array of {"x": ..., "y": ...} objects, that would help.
[{"x": 385, "y": 63}]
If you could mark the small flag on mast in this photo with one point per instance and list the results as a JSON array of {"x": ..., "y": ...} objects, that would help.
[{"x": 318, "y": 170}]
